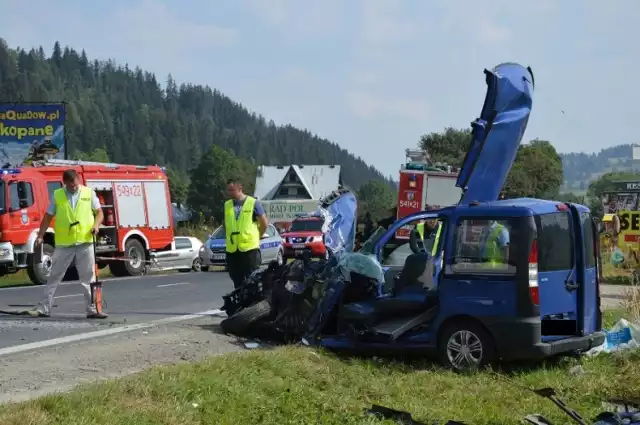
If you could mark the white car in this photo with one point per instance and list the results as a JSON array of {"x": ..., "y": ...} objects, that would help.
[{"x": 183, "y": 255}]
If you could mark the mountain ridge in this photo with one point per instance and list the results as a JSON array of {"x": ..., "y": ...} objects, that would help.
[
  {"x": 581, "y": 168},
  {"x": 127, "y": 113}
]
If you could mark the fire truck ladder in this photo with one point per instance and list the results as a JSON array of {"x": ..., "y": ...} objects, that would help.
[{"x": 74, "y": 163}]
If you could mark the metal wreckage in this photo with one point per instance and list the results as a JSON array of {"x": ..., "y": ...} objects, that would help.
[{"x": 453, "y": 305}]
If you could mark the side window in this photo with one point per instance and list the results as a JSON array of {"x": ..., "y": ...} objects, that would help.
[
  {"x": 555, "y": 242},
  {"x": 271, "y": 231},
  {"x": 183, "y": 243},
  {"x": 589, "y": 248},
  {"x": 396, "y": 251},
  {"x": 52, "y": 187},
  {"x": 21, "y": 195},
  {"x": 483, "y": 247}
]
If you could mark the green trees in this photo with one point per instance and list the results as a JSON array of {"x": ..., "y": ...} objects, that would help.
[
  {"x": 126, "y": 114},
  {"x": 536, "y": 172},
  {"x": 206, "y": 193},
  {"x": 376, "y": 197}
]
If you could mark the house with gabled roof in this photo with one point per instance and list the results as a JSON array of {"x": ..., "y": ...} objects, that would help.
[
  {"x": 290, "y": 190},
  {"x": 292, "y": 182}
]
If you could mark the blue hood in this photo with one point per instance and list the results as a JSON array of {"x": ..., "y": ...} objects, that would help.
[
  {"x": 497, "y": 133},
  {"x": 340, "y": 210}
]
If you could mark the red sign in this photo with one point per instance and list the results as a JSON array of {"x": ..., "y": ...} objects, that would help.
[{"x": 409, "y": 198}]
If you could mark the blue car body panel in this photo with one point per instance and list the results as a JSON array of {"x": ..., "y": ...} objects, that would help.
[{"x": 497, "y": 133}]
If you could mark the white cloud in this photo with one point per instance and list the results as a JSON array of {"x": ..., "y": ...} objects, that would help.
[
  {"x": 383, "y": 22},
  {"x": 313, "y": 18},
  {"x": 273, "y": 12},
  {"x": 369, "y": 106},
  {"x": 151, "y": 24}
]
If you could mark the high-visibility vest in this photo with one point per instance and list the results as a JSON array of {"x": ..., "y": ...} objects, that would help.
[
  {"x": 420, "y": 229},
  {"x": 73, "y": 226},
  {"x": 241, "y": 234},
  {"x": 492, "y": 254}
]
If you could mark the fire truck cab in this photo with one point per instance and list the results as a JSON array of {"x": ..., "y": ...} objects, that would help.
[{"x": 135, "y": 201}]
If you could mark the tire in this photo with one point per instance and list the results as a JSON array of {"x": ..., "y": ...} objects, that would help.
[
  {"x": 132, "y": 249},
  {"x": 204, "y": 268},
  {"x": 482, "y": 346},
  {"x": 38, "y": 273},
  {"x": 242, "y": 321}
]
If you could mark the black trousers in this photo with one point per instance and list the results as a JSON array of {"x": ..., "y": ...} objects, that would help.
[{"x": 241, "y": 264}]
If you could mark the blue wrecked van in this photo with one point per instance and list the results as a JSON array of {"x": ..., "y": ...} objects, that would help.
[{"x": 494, "y": 279}]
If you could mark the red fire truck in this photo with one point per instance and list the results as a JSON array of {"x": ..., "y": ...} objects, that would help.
[
  {"x": 135, "y": 201},
  {"x": 424, "y": 186}
]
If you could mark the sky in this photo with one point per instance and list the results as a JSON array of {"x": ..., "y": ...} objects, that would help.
[{"x": 370, "y": 75}]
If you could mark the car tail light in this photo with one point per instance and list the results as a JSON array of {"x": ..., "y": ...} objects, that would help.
[{"x": 534, "y": 290}]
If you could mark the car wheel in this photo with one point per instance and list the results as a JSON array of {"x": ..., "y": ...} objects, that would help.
[
  {"x": 39, "y": 272},
  {"x": 241, "y": 322},
  {"x": 466, "y": 347},
  {"x": 197, "y": 265},
  {"x": 280, "y": 258}
]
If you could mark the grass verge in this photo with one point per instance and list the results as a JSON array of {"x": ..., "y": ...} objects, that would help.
[{"x": 294, "y": 385}]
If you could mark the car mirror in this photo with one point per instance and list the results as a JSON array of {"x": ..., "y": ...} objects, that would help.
[{"x": 265, "y": 236}]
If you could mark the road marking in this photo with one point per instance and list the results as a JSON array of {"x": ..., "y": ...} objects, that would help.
[
  {"x": 69, "y": 296},
  {"x": 102, "y": 333},
  {"x": 107, "y": 280},
  {"x": 173, "y": 284}
]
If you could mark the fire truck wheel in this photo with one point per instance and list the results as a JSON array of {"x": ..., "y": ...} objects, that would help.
[
  {"x": 134, "y": 251},
  {"x": 38, "y": 273}
]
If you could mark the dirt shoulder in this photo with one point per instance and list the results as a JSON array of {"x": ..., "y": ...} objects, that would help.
[{"x": 35, "y": 373}]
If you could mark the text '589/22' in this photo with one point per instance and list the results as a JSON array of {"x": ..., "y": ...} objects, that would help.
[{"x": 129, "y": 190}]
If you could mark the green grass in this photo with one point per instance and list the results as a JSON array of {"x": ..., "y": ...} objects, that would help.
[{"x": 296, "y": 385}]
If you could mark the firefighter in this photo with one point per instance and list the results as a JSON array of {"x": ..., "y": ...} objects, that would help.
[
  {"x": 244, "y": 222},
  {"x": 78, "y": 215}
]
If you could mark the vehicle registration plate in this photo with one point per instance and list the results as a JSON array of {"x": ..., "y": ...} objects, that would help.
[
  {"x": 218, "y": 257},
  {"x": 298, "y": 246}
]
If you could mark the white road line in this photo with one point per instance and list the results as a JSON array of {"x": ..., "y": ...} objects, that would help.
[
  {"x": 75, "y": 282},
  {"x": 68, "y": 296},
  {"x": 102, "y": 333},
  {"x": 173, "y": 284}
]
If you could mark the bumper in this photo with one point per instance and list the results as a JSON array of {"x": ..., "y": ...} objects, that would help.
[
  {"x": 213, "y": 259},
  {"x": 317, "y": 250},
  {"x": 6, "y": 253},
  {"x": 519, "y": 339}
]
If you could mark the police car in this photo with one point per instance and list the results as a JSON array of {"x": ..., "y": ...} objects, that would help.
[{"x": 214, "y": 251}]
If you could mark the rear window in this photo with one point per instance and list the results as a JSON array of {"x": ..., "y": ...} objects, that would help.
[
  {"x": 313, "y": 225},
  {"x": 555, "y": 242},
  {"x": 485, "y": 247},
  {"x": 589, "y": 248}
]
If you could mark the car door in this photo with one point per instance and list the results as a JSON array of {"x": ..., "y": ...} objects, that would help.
[
  {"x": 268, "y": 245},
  {"x": 589, "y": 319},
  {"x": 185, "y": 251},
  {"x": 165, "y": 260},
  {"x": 497, "y": 133}
]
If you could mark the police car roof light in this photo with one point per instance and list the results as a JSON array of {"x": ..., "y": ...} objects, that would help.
[{"x": 11, "y": 171}]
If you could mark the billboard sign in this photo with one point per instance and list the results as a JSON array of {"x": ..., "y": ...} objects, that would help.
[
  {"x": 286, "y": 211},
  {"x": 31, "y": 133}
]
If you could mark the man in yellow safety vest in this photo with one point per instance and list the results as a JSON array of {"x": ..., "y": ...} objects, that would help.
[
  {"x": 438, "y": 230},
  {"x": 78, "y": 215},
  {"x": 244, "y": 222},
  {"x": 495, "y": 245}
]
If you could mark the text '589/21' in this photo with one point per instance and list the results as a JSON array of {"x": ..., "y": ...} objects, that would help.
[{"x": 129, "y": 190}]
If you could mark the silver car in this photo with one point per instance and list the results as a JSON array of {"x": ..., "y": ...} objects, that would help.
[
  {"x": 214, "y": 251},
  {"x": 183, "y": 255}
]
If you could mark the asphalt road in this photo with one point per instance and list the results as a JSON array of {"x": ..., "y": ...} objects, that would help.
[
  {"x": 132, "y": 301},
  {"x": 128, "y": 301}
]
